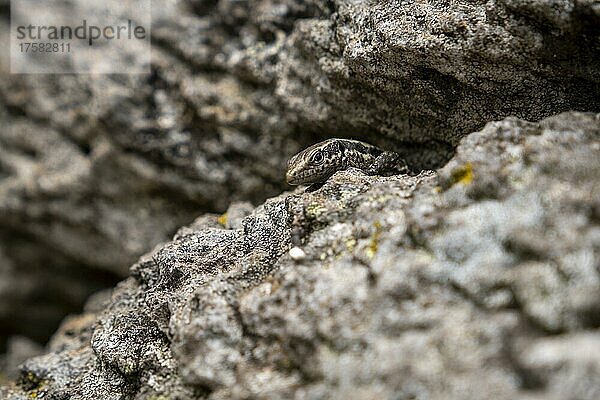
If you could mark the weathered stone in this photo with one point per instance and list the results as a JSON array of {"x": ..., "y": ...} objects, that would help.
[
  {"x": 447, "y": 285},
  {"x": 95, "y": 172}
]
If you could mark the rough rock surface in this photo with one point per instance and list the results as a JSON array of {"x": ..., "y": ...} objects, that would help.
[
  {"x": 480, "y": 281},
  {"x": 95, "y": 170}
]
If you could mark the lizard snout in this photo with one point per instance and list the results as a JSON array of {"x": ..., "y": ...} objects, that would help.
[{"x": 291, "y": 178}]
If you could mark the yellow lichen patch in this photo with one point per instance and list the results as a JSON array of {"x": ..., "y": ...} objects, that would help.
[
  {"x": 33, "y": 385},
  {"x": 463, "y": 175},
  {"x": 39, "y": 390},
  {"x": 350, "y": 243},
  {"x": 34, "y": 394},
  {"x": 314, "y": 210},
  {"x": 222, "y": 219},
  {"x": 372, "y": 249}
]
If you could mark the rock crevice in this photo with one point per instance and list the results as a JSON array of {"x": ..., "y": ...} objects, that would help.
[{"x": 414, "y": 286}]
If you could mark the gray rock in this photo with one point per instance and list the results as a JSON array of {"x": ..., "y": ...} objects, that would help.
[
  {"x": 479, "y": 281},
  {"x": 95, "y": 172},
  {"x": 19, "y": 349},
  {"x": 564, "y": 362}
]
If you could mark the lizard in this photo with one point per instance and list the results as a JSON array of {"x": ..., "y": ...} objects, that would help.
[{"x": 318, "y": 162}]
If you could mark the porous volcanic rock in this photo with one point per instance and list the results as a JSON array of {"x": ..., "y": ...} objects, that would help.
[
  {"x": 96, "y": 170},
  {"x": 479, "y": 281}
]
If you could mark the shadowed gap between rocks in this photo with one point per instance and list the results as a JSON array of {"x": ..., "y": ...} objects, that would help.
[{"x": 54, "y": 286}]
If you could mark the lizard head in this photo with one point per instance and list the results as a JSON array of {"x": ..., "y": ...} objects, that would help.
[{"x": 315, "y": 164}]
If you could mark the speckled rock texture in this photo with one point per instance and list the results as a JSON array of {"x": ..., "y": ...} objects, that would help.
[
  {"x": 478, "y": 281},
  {"x": 95, "y": 170}
]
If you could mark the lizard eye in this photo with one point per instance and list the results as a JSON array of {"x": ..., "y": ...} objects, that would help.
[{"x": 317, "y": 157}]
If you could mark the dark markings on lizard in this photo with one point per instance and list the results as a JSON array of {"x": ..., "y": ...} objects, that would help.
[{"x": 318, "y": 162}]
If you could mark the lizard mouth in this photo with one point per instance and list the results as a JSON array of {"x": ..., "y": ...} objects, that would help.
[
  {"x": 293, "y": 180},
  {"x": 299, "y": 178}
]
